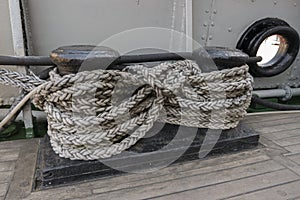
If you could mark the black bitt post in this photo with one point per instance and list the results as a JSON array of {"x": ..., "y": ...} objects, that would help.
[
  {"x": 71, "y": 59},
  {"x": 163, "y": 145}
]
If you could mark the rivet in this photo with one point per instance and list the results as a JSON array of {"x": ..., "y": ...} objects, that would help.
[
  {"x": 212, "y": 24},
  {"x": 215, "y": 11},
  {"x": 205, "y": 24},
  {"x": 275, "y": 2},
  {"x": 229, "y": 29},
  {"x": 210, "y": 37},
  {"x": 202, "y": 37},
  {"x": 295, "y": 4},
  {"x": 207, "y": 11}
]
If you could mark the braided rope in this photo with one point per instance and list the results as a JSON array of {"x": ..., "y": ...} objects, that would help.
[{"x": 91, "y": 116}]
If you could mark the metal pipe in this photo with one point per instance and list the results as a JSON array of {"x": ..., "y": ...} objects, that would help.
[
  {"x": 270, "y": 93},
  {"x": 46, "y": 61},
  {"x": 153, "y": 57},
  {"x": 26, "y": 60},
  {"x": 254, "y": 59},
  {"x": 276, "y": 93},
  {"x": 273, "y": 105}
]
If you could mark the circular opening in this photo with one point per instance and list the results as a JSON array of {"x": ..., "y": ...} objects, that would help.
[
  {"x": 275, "y": 41},
  {"x": 272, "y": 49}
]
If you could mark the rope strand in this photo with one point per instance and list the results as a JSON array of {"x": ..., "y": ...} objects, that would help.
[{"x": 98, "y": 114}]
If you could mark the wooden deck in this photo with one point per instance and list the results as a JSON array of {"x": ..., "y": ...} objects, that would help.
[{"x": 271, "y": 171}]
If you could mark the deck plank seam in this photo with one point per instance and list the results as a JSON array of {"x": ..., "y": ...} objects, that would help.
[
  {"x": 7, "y": 188},
  {"x": 255, "y": 119},
  {"x": 11, "y": 178},
  {"x": 194, "y": 168},
  {"x": 264, "y": 131},
  {"x": 204, "y": 173},
  {"x": 294, "y": 129},
  {"x": 277, "y": 122},
  {"x": 294, "y": 154},
  {"x": 261, "y": 189},
  {"x": 178, "y": 192},
  {"x": 204, "y": 186},
  {"x": 183, "y": 170},
  {"x": 271, "y": 145},
  {"x": 295, "y": 198}
]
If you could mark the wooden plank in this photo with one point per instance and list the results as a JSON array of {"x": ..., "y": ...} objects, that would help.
[
  {"x": 271, "y": 117},
  {"x": 294, "y": 149},
  {"x": 8, "y": 154},
  {"x": 70, "y": 193},
  {"x": 121, "y": 182},
  {"x": 237, "y": 187},
  {"x": 282, "y": 134},
  {"x": 22, "y": 181},
  {"x": 206, "y": 165},
  {"x": 286, "y": 191},
  {"x": 3, "y": 188},
  {"x": 271, "y": 148},
  {"x": 279, "y": 128},
  {"x": 287, "y": 163},
  {"x": 177, "y": 174},
  {"x": 295, "y": 158},
  {"x": 265, "y": 118},
  {"x": 188, "y": 182},
  {"x": 288, "y": 141},
  {"x": 5, "y": 177},
  {"x": 7, "y": 166},
  {"x": 14, "y": 144},
  {"x": 272, "y": 122}
]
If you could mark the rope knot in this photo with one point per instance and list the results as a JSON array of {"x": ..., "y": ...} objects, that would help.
[{"x": 97, "y": 114}]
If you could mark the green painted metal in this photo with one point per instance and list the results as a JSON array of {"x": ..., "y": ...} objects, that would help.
[
  {"x": 257, "y": 108},
  {"x": 17, "y": 131}
]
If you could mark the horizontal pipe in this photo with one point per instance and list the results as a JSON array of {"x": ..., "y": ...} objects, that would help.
[
  {"x": 254, "y": 59},
  {"x": 275, "y": 93},
  {"x": 270, "y": 93},
  {"x": 273, "y": 105},
  {"x": 26, "y": 60},
  {"x": 153, "y": 57},
  {"x": 46, "y": 61}
]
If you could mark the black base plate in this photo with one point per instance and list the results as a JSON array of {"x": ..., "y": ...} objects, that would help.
[{"x": 171, "y": 144}]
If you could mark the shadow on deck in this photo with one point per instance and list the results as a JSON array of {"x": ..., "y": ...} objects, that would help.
[{"x": 268, "y": 172}]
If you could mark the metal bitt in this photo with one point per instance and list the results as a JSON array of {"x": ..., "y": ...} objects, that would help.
[{"x": 70, "y": 59}]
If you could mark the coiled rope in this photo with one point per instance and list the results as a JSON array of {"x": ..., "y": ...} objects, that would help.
[{"x": 91, "y": 115}]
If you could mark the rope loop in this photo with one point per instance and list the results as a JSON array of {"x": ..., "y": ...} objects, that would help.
[{"x": 98, "y": 114}]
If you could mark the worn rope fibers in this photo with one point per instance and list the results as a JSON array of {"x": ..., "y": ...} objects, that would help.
[{"x": 97, "y": 114}]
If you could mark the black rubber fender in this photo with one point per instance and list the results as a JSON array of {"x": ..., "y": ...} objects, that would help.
[{"x": 257, "y": 33}]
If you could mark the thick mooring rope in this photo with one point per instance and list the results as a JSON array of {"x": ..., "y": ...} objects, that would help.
[{"x": 93, "y": 114}]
